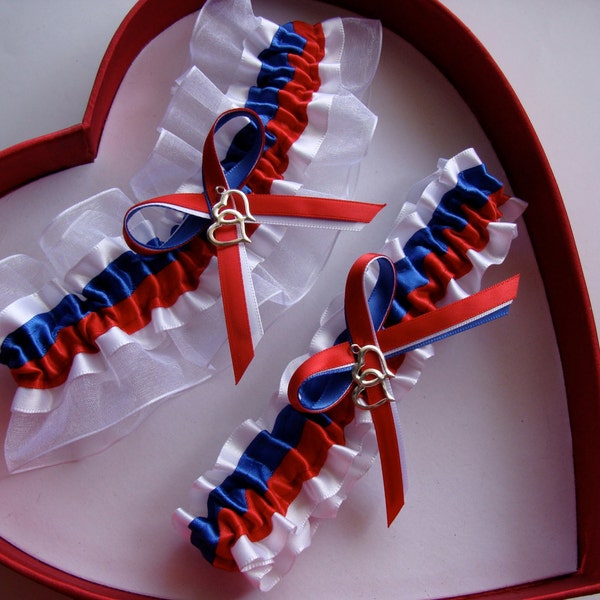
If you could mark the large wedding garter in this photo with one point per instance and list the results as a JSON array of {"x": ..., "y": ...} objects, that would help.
[
  {"x": 91, "y": 335},
  {"x": 276, "y": 478}
]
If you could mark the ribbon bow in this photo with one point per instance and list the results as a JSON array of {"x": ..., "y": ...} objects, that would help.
[
  {"x": 360, "y": 368},
  {"x": 227, "y": 215}
]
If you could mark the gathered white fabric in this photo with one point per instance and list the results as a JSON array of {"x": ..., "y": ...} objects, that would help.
[
  {"x": 224, "y": 55},
  {"x": 110, "y": 387},
  {"x": 265, "y": 561}
]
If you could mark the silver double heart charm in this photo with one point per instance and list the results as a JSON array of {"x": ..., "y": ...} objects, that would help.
[
  {"x": 370, "y": 377},
  {"x": 225, "y": 214}
]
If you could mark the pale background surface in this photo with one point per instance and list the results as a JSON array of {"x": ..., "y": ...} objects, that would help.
[{"x": 548, "y": 49}]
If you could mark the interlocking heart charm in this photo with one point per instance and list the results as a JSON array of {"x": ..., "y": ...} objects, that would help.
[
  {"x": 224, "y": 215},
  {"x": 370, "y": 377}
]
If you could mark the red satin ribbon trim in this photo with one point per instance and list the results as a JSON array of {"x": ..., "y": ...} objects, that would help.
[
  {"x": 237, "y": 319},
  {"x": 274, "y": 205},
  {"x": 405, "y": 333},
  {"x": 408, "y": 332}
]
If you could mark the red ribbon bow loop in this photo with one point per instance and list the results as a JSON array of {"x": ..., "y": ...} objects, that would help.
[
  {"x": 360, "y": 368},
  {"x": 226, "y": 215}
]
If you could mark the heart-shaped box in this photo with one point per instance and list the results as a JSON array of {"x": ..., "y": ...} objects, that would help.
[{"x": 445, "y": 41}]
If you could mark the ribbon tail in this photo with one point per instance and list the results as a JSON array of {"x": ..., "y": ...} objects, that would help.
[
  {"x": 309, "y": 211},
  {"x": 240, "y": 306},
  {"x": 482, "y": 307},
  {"x": 385, "y": 419}
]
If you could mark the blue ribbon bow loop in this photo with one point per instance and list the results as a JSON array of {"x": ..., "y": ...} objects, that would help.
[
  {"x": 325, "y": 388},
  {"x": 197, "y": 208}
]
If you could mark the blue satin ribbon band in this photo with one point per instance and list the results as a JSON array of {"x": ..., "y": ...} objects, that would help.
[{"x": 275, "y": 73}]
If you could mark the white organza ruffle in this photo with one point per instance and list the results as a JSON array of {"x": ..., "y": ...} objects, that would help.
[
  {"x": 107, "y": 392},
  {"x": 265, "y": 562},
  {"x": 224, "y": 66}
]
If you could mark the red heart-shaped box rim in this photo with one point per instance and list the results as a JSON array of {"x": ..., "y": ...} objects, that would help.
[{"x": 453, "y": 49}]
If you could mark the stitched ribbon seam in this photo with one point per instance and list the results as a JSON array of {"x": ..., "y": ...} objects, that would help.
[
  {"x": 325, "y": 379},
  {"x": 229, "y": 230}
]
